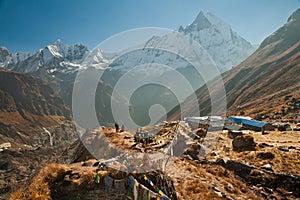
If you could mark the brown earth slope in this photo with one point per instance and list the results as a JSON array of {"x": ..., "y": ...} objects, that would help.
[
  {"x": 29, "y": 113},
  {"x": 224, "y": 174},
  {"x": 260, "y": 83},
  {"x": 26, "y": 105}
]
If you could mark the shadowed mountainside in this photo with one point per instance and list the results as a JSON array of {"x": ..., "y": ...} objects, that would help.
[
  {"x": 26, "y": 106},
  {"x": 35, "y": 125}
]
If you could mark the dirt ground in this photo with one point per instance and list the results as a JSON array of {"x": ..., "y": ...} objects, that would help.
[
  {"x": 283, "y": 145},
  {"x": 192, "y": 180}
]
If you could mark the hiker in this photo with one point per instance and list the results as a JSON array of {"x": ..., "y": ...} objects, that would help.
[
  {"x": 117, "y": 127},
  {"x": 136, "y": 135},
  {"x": 108, "y": 184}
]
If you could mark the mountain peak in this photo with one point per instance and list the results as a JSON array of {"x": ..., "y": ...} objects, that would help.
[
  {"x": 201, "y": 21},
  {"x": 58, "y": 42},
  {"x": 3, "y": 54},
  {"x": 286, "y": 36},
  {"x": 295, "y": 16},
  {"x": 215, "y": 35},
  {"x": 69, "y": 52}
]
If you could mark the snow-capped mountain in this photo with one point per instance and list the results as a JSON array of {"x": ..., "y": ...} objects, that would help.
[
  {"x": 7, "y": 58},
  {"x": 155, "y": 60},
  {"x": 159, "y": 57},
  {"x": 226, "y": 47},
  {"x": 260, "y": 85},
  {"x": 57, "y": 57}
]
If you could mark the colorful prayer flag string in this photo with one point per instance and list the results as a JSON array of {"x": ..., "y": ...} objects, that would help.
[{"x": 152, "y": 185}]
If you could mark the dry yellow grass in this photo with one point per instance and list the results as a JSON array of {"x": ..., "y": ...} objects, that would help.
[
  {"x": 88, "y": 177},
  {"x": 39, "y": 187},
  {"x": 197, "y": 181},
  {"x": 283, "y": 161},
  {"x": 17, "y": 195}
]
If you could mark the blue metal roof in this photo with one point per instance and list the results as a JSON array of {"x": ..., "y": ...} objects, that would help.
[
  {"x": 249, "y": 122},
  {"x": 235, "y": 119}
]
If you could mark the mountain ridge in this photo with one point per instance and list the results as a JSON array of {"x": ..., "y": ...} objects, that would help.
[
  {"x": 261, "y": 83},
  {"x": 58, "y": 64},
  {"x": 219, "y": 40},
  {"x": 76, "y": 56},
  {"x": 28, "y": 105}
]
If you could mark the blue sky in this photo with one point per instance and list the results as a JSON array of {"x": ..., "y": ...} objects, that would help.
[{"x": 27, "y": 25}]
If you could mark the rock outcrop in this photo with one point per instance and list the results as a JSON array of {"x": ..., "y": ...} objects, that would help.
[{"x": 243, "y": 143}]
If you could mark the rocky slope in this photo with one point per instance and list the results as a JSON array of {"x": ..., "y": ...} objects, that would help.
[
  {"x": 27, "y": 106},
  {"x": 35, "y": 125},
  {"x": 268, "y": 171},
  {"x": 266, "y": 83}
]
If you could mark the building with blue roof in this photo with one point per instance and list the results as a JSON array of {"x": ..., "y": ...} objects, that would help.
[{"x": 251, "y": 123}]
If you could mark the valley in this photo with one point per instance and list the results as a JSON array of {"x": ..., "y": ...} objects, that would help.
[{"x": 143, "y": 129}]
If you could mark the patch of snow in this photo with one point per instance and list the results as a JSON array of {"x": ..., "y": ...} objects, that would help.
[
  {"x": 52, "y": 70},
  {"x": 69, "y": 64},
  {"x": 54, "y": 50}
]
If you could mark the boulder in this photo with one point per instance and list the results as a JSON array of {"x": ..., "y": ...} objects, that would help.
[
  {"x": 265, "y": 155},
  {"x": 243, "y": 143},
  {"x": 267, "y": 167},
  {"x": 193, "y": 151}
]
